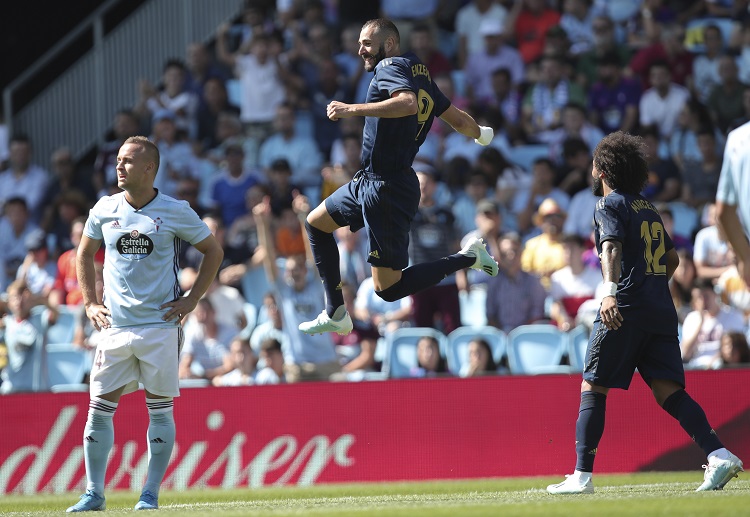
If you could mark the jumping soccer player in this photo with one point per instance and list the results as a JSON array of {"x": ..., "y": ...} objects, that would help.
[
  {"x": 383, "y": 197},
  {"x": 637, "y": 323}
]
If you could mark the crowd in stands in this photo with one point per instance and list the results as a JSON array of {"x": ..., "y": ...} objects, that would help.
[{"x": 241, "y": 126}]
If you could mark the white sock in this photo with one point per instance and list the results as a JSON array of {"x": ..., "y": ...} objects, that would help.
[
  {"x": 161, "y": 433},
  {"x": 98, "y": 437},
  {"x": 721, "y": 454},
  {"x": 582, "y": 477}
]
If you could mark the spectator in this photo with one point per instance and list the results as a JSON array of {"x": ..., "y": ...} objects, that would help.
[
  {"x": 261, "y": 78},
  {"x": 177, "y": 158},
  {"x": 514, "y": 297},
  {"x": 575, "y": 168},
  {"x": 574, "y": 125},
  {"x": 272, "y": 357},
  {"x": 578, "y": 21},
  {"x": 430, "y": 363},
  {"x": 572, "y": 284},
  {"x": 527, "y": 203},
  {"x": 37, "y": 271},
  {"x": 681, "y": 242},
  {"x": 664, "y": 181},
  {"x": 480, "y": 362},
  {"x": 670, "y": 52},
  {"x": 66, "y": 289},
  {"x": 338, "y": 174},
  {"x": 468, "y": 19},
  {"x": 280, "y": 186},
  {"x": 23, "y": 179},
  {"x": 496, "y": 54},
  {"x": 544, "y": 254},
  {"x": 530, "y": 20},
  {"x": 683, "y": 144},
  {"x": 200, "y": 69},
  {"x": 733, "y": 351},
  {"x": 433, "y": 235},
  {"x": 701, "y": 178},
  {"x": 66, "y": 177},
  {"x": 270, "y": 326},
  {"x": 381, "y": 316},
  {"x": 232, "y": 184},
  {"x": 476, "y": 189},
  {"x": 613, "y": 99},
  {"x": 189, "y": 189},
  {"x": 704, "y": 326},
  {"x": 70, "y": 205},
  {"x": 733, "y": 291},
  {"x": 352, "y": 257},
  {"x": 706, "y": 65},
  {"x": 21, "y": 337},
  {"x": 301, "y": 152},
  {"x": 205, "y": 354},
  {"x": 681, "y": 284},
  {"x": 544, "y": 101},
  {"x": 726, "y": 98},
  {"x": 580, "y": 220},
  {"x": 170, "y": 95},
  {"x": 329, "y": 86},
  {"x": 308, "y": 357},
  {"x": 124, "y": 125},
  {"x": 14, "y": 228},
  {"x": 243, "y": 361},
  {"x": 712, "y": 254},
  {"x": 505, "y": 98},
  {"x": 661, "y": 104},
  {"x": 214, "y": 101},
  {"x": 605, "y": 43},
  {"x": 422, "y": 43},
  {"x": 242, "y": 240}
]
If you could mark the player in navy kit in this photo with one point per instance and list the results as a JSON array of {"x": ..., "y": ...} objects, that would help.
[
  {"x": 383, "y": 197},
  {"x": 637, "y": 323}
]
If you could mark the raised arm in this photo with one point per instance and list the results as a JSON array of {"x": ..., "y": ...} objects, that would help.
[{"x": 262, "y": 214}]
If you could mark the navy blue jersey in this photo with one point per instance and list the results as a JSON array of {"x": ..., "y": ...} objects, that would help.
[
  {"x": 643, "y": 292},
  {"x": 390, "y": 144}
]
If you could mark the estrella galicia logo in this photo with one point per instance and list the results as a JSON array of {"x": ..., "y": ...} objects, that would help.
[{"x": 135, "y": 246}]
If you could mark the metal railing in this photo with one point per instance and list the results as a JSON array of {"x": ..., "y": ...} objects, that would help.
[{"x": 76, "y": 109}]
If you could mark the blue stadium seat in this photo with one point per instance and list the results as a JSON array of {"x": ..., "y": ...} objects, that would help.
[
  {"x": 686, "y": 218},
  {"x": 401, "y": 350},
  {"x": 234, "y": 92},
  {"x": 62, "y": 331},
  {"x": 578, "y": 340},
  {"x": 525, "y": 155},
  {"x": 473, "y": 308},
  {"x": 66, "y": 368},
  {"x": 458, "y": 345},
  {"x": 534, "y": 349}
]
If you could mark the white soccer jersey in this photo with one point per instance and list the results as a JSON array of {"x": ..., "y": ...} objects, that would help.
[
  {"x": 141, "y": 251},
  {"x": 734, "y": 182}
]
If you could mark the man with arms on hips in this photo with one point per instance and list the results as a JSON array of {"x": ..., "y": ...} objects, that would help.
[
  {"x": 141, "y": 311},
  {"x": 383, "y": 197},
  {"x": 637, "y": 322}
]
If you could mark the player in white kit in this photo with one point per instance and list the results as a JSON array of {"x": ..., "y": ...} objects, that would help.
[{"x": 141, "y": 311}]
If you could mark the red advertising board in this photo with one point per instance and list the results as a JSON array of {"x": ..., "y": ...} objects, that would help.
[{"x": 371, "y": 431}]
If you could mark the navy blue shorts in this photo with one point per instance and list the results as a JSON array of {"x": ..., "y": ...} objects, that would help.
[
  {"x": 612, "y": 356},
  {"x": 385, "y": 209}
]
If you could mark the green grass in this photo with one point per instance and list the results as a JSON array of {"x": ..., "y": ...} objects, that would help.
[{"x": 641, "y": 495}]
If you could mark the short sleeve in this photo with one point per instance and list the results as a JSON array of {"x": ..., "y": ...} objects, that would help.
[
  {"x": 93, "y": 227},
  {"x": 393, "y": 76},
  {"x": 442, "y": 102},
  {"x": 191, "y": 228},
  {"x": 609, "y": 222}
]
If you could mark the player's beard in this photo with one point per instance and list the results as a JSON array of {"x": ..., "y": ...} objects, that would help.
[
  {"x": 598, "y": 187},
  {"x": 377, "y": 58}
]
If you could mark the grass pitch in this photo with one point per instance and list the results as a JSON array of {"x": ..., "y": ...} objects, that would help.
[{"x": 663, "y": 493}]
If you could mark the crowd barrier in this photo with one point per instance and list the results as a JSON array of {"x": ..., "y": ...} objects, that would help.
[{"x": 366, "y": 432}]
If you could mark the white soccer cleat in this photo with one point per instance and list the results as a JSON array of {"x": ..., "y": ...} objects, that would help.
[
  {"x": 720, "y": 472},
  {"x": 484, "y": 261},
  {"x": 572, "y": 485},
  {"x": 324, "y": 323}
]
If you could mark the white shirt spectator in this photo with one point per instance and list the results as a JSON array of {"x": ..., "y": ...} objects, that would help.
[
  {"x": 261, "y": 87},
  {"x": 580, "y": 220},
  {"x": 31, "y": 186},
  {"x": 709, "y": 335},
  {"x": 710, "y": 249},
  {"x": 663, "y": 111},
  {"x": 468, "y": 19}
]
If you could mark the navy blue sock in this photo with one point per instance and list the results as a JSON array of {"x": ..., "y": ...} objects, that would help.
[
  {"x": 589, "y": 428},
  {"x": 693, "y": 420},
  {"x": 326, "y": 255},
  {"x": 421, "y": 276}
]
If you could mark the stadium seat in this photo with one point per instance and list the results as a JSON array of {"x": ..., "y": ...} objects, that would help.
[
  {"x": 458, "y": 345},
  {"x": 578, "y": 340},
  {"x": 525, "y": 155},
  {"x": 234, "y": 93},
  {"x": 472, "y": 306},
  {"x": 62, "y": 331},
  {"x": 66, "y": 368},
  {"x": 401, "y": 350},
  {"x": 251, "y": 315},
  {"x": 535, "y": 349}
]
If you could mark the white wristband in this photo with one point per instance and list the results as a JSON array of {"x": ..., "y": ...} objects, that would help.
[
  {"x": 610, "y": 288},
  {"x": 485, "y": 135}
]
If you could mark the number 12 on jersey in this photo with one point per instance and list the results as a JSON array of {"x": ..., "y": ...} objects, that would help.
[{"x": 653, "y": 235}]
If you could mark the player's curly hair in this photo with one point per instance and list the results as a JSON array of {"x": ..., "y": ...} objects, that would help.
[{"x": 621, "y": 158}]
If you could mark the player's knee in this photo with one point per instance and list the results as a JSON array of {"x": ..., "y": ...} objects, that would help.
[{"x": 392, "y": 293}]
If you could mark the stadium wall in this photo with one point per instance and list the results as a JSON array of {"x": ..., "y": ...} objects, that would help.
[{"x": 366, "y": 432}]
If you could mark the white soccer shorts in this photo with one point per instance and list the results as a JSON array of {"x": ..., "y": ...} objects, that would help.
[{"x": 128, "y": 356}]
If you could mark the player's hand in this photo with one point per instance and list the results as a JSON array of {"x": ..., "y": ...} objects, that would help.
[
  {"x": 610, "y": 314},
  {"x": 179, "y": 308},
  {"x": 336, "y": 110},
  {"x": 485, "y": 135},
  {"x": 97, "y": 314}
]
